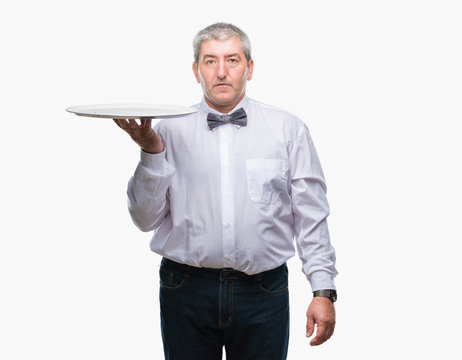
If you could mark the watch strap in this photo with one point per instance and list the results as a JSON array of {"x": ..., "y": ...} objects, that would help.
[{"x": 331, "y": 294}]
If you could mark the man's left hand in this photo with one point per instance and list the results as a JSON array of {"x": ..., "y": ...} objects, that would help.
[{"x": 321, "y": 313}]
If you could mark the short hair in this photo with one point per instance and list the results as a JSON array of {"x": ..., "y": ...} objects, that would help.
[{"x": 221, "y": 31}]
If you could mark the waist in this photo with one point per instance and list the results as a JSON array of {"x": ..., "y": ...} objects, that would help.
[{"x": 220, "y": 273}]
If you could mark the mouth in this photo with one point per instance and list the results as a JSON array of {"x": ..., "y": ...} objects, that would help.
[{"x": 222, "y": 84}]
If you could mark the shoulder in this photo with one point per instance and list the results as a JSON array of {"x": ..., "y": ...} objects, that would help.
[
  {"x": 276, "y": 115},
  {"x": 174, "y": 124}
]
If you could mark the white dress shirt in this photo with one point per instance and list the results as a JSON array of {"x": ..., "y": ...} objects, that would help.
[{"x": 236, "y": 197}]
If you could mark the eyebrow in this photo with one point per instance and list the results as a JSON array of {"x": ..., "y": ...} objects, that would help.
[
  {"x": 214, "y": 56},
  {"x": 233, "y": 55},
  {"x": 208, "y": 56}
]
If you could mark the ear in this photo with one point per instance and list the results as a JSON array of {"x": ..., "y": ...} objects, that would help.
[
  {"x": 249, "y": 75},
  {"x": 196, "y": 72}
]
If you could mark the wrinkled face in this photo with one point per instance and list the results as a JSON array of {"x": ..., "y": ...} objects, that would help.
[{"x": 223, "y": 71}]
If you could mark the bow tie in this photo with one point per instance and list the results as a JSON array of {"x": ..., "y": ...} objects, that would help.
[{"x": 239, "y": 117}]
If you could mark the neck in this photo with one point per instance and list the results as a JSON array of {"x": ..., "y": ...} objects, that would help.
[{"x": 224, "y": 108}]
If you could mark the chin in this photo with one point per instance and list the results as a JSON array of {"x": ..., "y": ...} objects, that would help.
[{"x": 223, "y": 100}]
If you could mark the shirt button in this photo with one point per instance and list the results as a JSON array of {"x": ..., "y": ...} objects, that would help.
[
  {"x": 228, "y": 257},
  {"x": 227, "y": 225}
]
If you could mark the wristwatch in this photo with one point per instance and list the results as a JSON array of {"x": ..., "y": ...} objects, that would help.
[{"x": 331, "y": 294}]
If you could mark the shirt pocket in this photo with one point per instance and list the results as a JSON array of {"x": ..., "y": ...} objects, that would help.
[{"x": 266, "y": 180}]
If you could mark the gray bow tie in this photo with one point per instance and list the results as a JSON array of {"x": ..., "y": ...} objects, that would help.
[{"x": 239, "y": 117}]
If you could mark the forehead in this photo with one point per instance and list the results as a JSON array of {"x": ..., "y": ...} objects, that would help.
[{"x": 220, "y": 48}]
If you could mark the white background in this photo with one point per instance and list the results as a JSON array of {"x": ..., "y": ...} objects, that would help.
[{"x": 379, "y": 85}]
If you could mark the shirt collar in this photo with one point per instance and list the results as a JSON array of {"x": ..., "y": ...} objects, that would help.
[{"x": 205, "y": 109}]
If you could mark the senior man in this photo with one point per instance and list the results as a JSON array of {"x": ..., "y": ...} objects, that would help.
[{"x": 229, "y": 192}]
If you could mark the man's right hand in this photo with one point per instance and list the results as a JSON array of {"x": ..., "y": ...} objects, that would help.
[{"x": 142, "y": 134}]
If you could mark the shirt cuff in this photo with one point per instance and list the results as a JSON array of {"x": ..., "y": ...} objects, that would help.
[
  {"x": 321, "y": 280},
  {"x": 152, "y": 161}
]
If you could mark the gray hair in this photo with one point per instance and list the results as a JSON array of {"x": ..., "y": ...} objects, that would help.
[{"x": 221, "y": 31}]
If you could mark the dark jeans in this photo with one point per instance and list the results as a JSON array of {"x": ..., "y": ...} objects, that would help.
[{"x": 203, "y": 310}]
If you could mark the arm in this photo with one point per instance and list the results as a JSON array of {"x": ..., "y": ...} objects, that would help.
[
  {"x": 310, "y": 210},
  {"x": 148, "y": 188}
]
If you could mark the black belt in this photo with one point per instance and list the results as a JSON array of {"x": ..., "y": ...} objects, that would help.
[{"x": 220, "y": 274}]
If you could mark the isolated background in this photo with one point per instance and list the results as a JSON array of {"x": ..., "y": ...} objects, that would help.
[{"x": 379, "y": 85}]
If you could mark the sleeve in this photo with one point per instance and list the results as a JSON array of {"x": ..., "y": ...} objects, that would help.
[
  {"x": 147, "y": 191},
  {"x": 310, "y": 209}
]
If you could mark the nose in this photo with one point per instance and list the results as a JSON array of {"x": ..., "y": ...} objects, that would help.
[{"x": 222, "y": 70}]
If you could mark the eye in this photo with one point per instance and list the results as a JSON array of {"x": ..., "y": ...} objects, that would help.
[{"x": 209, "y": 62}]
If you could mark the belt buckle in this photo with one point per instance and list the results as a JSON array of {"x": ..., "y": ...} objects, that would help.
[{"x": 228, "y": 274}]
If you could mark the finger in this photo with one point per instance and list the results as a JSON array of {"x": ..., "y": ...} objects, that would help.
[
  {"x": 133, "y": 124},
  {"x": 123, "y": 124},
  {"x": 145, "y": 122},
  {"x": 148, "y": 123},
  {"x": 323, "y": 333},
  {"x": 117, "y": 122},
  {"x": 309, "y": 326},
  {"x": 321, "y": 336}
]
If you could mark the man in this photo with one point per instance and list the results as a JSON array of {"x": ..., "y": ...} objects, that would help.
[{"x": 226, "y": 190}]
